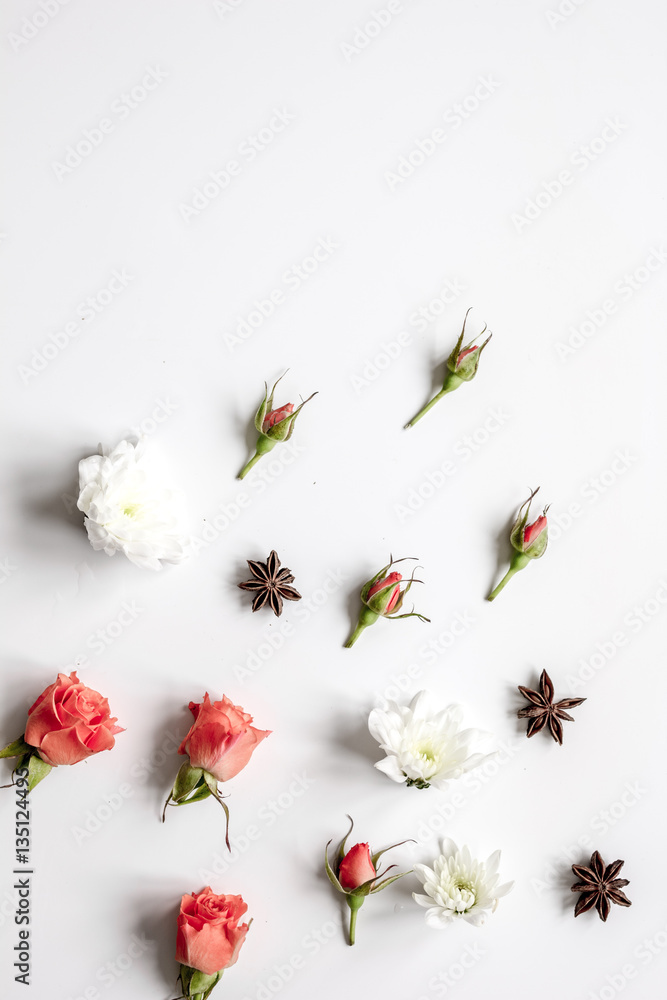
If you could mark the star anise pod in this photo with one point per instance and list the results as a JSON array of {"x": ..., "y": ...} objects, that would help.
[
  {"x": 544, "y": 710},
  {"x": 270, "y": 583},
  {"x": 599, "y": 886}
]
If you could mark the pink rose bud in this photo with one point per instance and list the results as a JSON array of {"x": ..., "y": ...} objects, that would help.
[
  {"x": 208, "y": 939},
  {"x": 382, "y": 597},
  {"x": 356, "y": 867},
  {"x": 390, "y": 596},
  {"x": 355, "y": 874},
  {"x": 462, "y": 365},
  {"x": 276, "y": 416},
  {"x": 272, "y": 425},
  {"x": 219, "y": 744},
  {"x": 529, "y": 541},
  {"x": 68, "y": 723}
]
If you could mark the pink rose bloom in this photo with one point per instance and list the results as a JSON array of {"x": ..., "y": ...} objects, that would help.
[
  {"x": 531, "y": 531},
  {"x": 221, "y": 739},
  {"x": 393, "y": 595},
  {"x": 209, "y": 936},
  {"x": 70, "y": 722},
  {"x": 275, "y": 416},
  {"x": 356, "y": 867}
]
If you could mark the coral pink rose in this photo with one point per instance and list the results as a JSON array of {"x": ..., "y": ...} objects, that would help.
[
  {"x": 221, "y": 739},
  {"x": 392, "y": 596},
  {"x": 209, "y": 936},
  {"x": 70, "y": 722},
  {"x": 356, "y": 867},
  {"x": 275, "y": 416}
]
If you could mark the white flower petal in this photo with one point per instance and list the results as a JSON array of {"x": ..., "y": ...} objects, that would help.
[{"x": 126, "y": 512}]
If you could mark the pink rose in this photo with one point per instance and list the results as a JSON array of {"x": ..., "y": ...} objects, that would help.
[
  {"x": 356, "y": 867},
  {"x": 209, "y": 936},
  {"x": 390, "y": 597},
  {"x": 531, "y": 531},
  {"x": 221, "y": 739},
  {"x": 275, "y": 416},
  {"x": 70, "y": 722}
]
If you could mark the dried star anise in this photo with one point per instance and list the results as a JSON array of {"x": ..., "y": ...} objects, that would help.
[
  {"x": 599, "y": 886},
  {"x": 543, "y": 709},
  {"x": 270, "y": 583}
]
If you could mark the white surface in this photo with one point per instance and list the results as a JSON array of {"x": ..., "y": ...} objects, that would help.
[{"x": 332, "y": 511}]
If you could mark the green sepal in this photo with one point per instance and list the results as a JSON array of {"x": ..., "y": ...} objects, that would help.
[
  {"x": 198, "y": 984},
  {"x": 467, "y": 370},
  {"x": 388, "y": 881},
  {"x": 282, "y": 431},
  {"x": 38, "y": 769},
  {"x": 212, "y": 785},
  {"x": 516, "y": 534},
  {"x": 378, "y": 854},
  {"x": 17, "y": 748},
  {"x": 200, "y": 793},
  {"x": 187, "y": 779}
]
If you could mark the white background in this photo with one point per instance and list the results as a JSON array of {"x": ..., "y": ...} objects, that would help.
[{"x": 335, "y": 509}]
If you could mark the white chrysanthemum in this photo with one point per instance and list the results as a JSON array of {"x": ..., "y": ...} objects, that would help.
[
  {"x": 126, "y": 511},
  {"x": 459, "y": 886},
  {"x": 424, "y": 746}
]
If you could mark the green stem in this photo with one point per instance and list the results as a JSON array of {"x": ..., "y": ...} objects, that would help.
[
  {"x": 355, "y": 903},
  {"x": 519, "y": 561},
  {"x": 451, "y": 382},
  {"x": 358, "y": 629},
  {"x": 248, "y": 466},
  {"x": 366, "y": 618}
]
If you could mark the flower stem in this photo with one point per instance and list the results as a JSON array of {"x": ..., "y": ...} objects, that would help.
[
  {"x": 248, "y": 466},
  {"x": 355, "y": 903},
  {"x": 451, "y": 382},
  {"x": 519, "y": 561},
  {"x": 358, "y": 629},
  {"x": 366, "y": 618}
]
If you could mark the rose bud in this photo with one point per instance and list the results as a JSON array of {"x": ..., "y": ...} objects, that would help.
[
  {"x": 462, "y": 365},
  {"x": 272, "y": 425},
  {"x": 355, "y": 874},
  {"x": 219, "y": 744},
  {"x": 382, "y": 597},
  {"x": 529, "y": 541},
  {"x": 68, "y": 723},
  {"x": 208, "y": 940}
]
